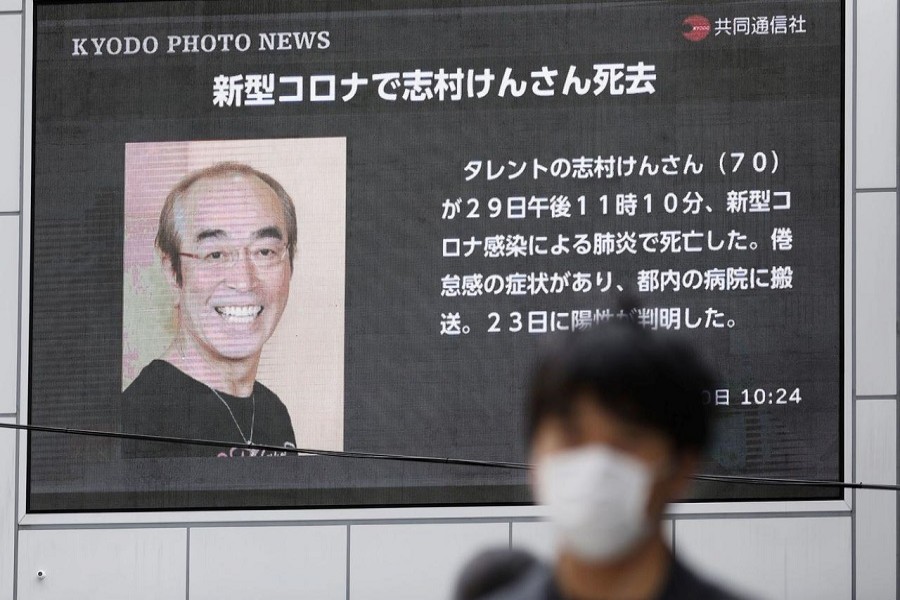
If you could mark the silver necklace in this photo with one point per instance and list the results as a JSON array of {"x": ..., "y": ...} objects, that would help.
[{"x": 236, "y": 424}]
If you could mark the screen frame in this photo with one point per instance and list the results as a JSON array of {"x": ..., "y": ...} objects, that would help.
[{"x": 843, "y": 505}]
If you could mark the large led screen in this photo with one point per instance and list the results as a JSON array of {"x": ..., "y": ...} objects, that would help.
[{"x": 350, "y": 226}]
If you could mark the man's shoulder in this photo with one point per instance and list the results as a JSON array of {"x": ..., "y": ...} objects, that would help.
[
  {"x": 267, "y": 398},
  {"x": 504, "y": 574},
  {"x": 273, "y": 416},
  {"x": 516, "y": 575},
  {"x": 161, "y": 393},
  {"x": 156, "y": 375},
  {"x": 685, "y": 584}
]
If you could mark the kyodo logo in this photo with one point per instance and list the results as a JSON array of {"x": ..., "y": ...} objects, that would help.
[{"x": 696, "y": 28}]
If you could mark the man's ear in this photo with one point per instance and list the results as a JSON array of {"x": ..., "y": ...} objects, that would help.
[
  {"x": 674, "y": 481},
  {"x": 685, "y": 466}
]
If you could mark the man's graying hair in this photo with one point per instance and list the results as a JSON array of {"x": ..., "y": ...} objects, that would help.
[{"x": 167, "y": 238}]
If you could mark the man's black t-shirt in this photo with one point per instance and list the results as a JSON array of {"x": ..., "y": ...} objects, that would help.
[{"x": 163, "y": 400}]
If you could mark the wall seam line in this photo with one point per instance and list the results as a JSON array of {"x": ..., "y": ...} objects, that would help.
[
  {"x": 854, "y": 28},
  {"x": 413, "y": 521},
  {"x": 347, "y": 582},
  {"x": 831, "y": 513},
  {"x": 896, "y": 323},
  {"x": 828, "y": 514},
  {"x": 187, "y": 566},
  {"x": 18, "y": 458},
  {"x": 15, "y": 518}
]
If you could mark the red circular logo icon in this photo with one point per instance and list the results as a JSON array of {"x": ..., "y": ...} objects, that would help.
[{"x": 696, "y": 28}]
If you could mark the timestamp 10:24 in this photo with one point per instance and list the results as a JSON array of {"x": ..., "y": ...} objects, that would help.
[{"x": 760, "y": 396}]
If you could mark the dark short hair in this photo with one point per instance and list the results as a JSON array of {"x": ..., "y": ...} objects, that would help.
[
  {"x": 169, "y": 242},
  {"x": 641, "y": 377}
]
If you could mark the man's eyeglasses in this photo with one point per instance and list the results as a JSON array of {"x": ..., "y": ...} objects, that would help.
[{"x": 263, "y": 256}]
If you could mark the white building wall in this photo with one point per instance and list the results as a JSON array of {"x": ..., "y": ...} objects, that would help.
[{"x": 780, "y": 553}]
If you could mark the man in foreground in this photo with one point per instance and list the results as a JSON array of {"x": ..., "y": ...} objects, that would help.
[
  {"x": 616, "y": 428},
  {"x": 227, "y": 236}
]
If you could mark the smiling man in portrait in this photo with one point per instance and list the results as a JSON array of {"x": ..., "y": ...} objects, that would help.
[{"x": 226, "y": 240}]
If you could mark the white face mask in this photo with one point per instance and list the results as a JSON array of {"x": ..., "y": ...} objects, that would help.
[{"x": 597, "y": 499}]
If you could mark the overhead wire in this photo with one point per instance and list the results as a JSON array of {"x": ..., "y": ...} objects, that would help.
[{"x": 493, "y": 464}]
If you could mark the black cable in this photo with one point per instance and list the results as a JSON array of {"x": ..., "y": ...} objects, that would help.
[
  {"x": 221, "y": 443},
  {"x": 425, "y": 459},
  {"x": 798, "y": 482}
]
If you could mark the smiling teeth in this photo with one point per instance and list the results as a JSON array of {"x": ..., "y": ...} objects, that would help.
[{"x": 240, "y": 314}]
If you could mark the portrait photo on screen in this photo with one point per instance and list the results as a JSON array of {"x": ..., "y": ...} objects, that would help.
[{"x": 233, "y": 295}]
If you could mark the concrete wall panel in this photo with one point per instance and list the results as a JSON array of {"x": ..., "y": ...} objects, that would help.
[
  {"x": 10, "y": 107},
  {"x": 773, "y": 558},
  {"x": 876, "y": 94},
  {"x": 876, "y": 293},
  {"x": 98, "y": 564},
  {"x": 876, "y": 510},
  {"x": 415, "y": 562},
  {"x": 268, "y": 562}
]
